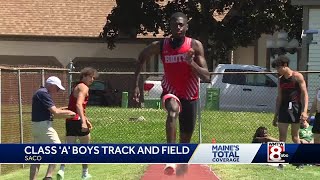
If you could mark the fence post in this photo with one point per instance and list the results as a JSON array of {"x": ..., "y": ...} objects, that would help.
[
  {"x": 199, "y": 114},
  {"x": 42, "y": 77},
  {"x": 71, "y": 67},
  {"x": 20, "y": 108}
]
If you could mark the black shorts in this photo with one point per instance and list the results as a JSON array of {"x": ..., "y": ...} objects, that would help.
[
  {"x": 316, "y": 124},
  {"x": 73, "y": 128},
  {"x": 187, "y": 116},
  {"x": 290, "y": 116}
]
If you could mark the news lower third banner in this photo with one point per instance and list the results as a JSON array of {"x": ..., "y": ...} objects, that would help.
[{"x": 275, "y": 152}]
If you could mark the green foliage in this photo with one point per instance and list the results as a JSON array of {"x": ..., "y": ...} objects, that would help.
[{"x": 244, "y": 23}]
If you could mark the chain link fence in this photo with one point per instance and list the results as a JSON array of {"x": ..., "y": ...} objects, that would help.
[
  {"x": 231, "y": 108},
  {"x": 17, "y": 88}
]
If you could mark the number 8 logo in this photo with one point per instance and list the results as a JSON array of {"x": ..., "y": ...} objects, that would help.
[{"x": 275, "y": 153}]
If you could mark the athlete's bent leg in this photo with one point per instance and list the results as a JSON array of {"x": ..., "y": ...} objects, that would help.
[{"x": 172, "y": 107}]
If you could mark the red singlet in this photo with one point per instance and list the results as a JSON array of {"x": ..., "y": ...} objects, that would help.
[
  {"x": 72, "y": 104},
  {"x": 178, "y": 79}
]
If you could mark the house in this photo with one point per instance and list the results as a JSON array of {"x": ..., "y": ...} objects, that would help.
[
  {"x": 311, "y": 19},
  {"x": 57, "y": 32},
  {"x": 52, "y": 33},
  {"x": 311, "y": 52}
]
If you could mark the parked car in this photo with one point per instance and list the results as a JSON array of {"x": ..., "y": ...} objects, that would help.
[
  {"x": 245, "y": 92},
  {"x": 237, "y": 92},
  {"x": 101, "y": 94},
  {"x": 152, "y": 91},
  {"x": 152, "y": 88}
]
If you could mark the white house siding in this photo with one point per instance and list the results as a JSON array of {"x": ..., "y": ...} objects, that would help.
[
  {"x": 314, "y": 54},
  {"x": 65, "y": 51}
]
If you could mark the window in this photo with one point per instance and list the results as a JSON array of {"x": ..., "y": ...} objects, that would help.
[
  {"x": 247, "y": 79},
  {"x": 234, "y": 78},
  {"x": 256, "y": 79}
]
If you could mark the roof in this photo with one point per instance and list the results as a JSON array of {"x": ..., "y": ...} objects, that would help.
[
  {"x": 33, "y": 61},
  {"x": 239, "y": 66},
  {"x": 54, "y": 17},
  {"x": 58, "y": 18}
]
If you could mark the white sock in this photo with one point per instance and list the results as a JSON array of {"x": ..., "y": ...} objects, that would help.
[
  {"x": 62, "y": 167},
  {"x": 171, "y": 165},
  {"x": 85, "y": 172}
]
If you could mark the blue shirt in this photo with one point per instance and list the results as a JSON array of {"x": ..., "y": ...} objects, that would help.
[{"x": 41, "y": 102}]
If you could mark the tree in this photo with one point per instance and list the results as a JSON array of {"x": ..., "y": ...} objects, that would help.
[{"x": 243, "y": 24}]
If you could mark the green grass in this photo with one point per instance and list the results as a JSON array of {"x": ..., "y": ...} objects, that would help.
[{"x": 115, "y": 125}]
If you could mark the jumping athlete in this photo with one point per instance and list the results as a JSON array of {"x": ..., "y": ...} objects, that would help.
[{"x": 184, "y": 63}]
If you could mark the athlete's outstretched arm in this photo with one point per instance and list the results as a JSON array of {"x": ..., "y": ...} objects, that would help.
[
  {"x": 145, "y": 55},
  {"x": 199, "y": 65}
]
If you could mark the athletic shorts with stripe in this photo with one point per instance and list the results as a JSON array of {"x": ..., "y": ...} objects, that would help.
[
  {"x": 188, "y": 115},
  {"x": 290, "y": 116}
]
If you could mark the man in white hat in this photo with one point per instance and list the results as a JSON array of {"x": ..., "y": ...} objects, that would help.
[{"x": 43, "y": 110}]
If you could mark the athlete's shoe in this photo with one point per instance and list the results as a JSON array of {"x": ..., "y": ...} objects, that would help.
[
  {"x": 60, "y": 175},
  {"x": 47, "y": 178},
  {"x": 280, "y": 167},
  {"x": 182, "y": 169},
  {"x": 169, "y": 169},
  {"x": 85, "y": 177}
]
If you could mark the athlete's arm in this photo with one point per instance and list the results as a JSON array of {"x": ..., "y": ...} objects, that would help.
[
  {"x": 304, "y": 94},
  {"x": 266, "y": 139},
  {"x": 272, "y": 139},
  {"x": 61, "y": 113},
  {"x": 199, "y": 65},
  {"x": 145, "y": 55},
  {"x": 81, "y": 93}
]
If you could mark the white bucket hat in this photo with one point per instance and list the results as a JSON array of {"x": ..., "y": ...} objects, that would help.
[{"x": 55, "y": 81}]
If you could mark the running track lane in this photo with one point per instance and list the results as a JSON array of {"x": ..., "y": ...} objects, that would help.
[{"x": 195, "y": 172}]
